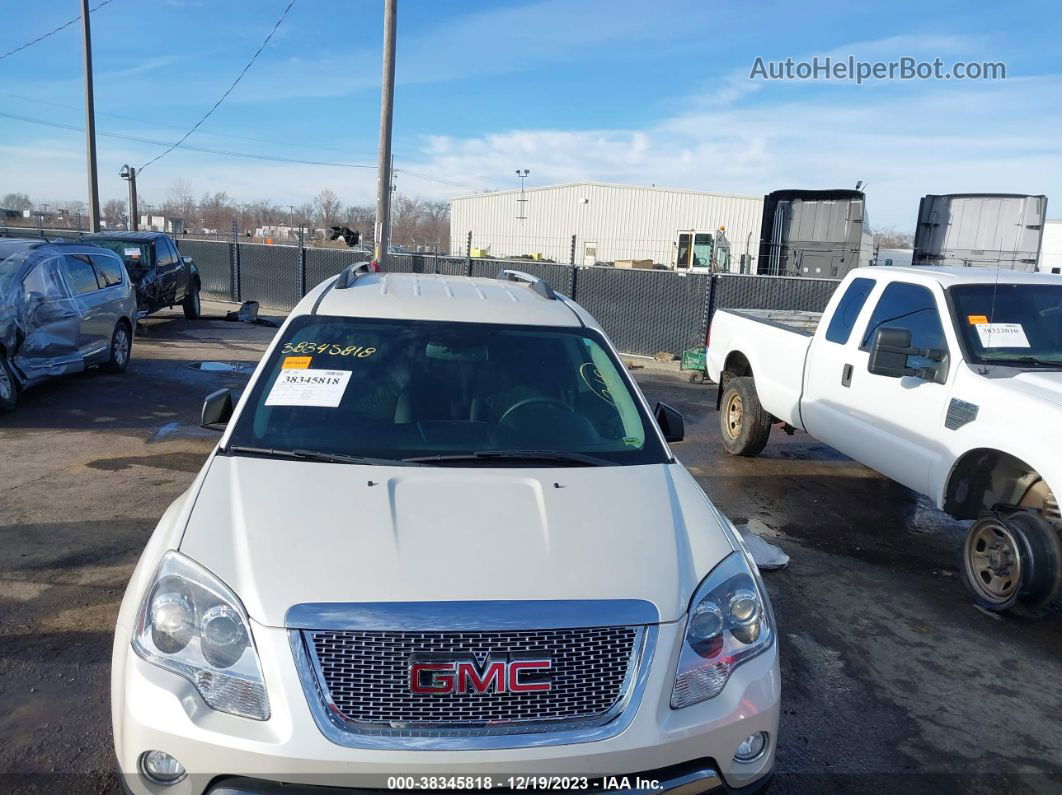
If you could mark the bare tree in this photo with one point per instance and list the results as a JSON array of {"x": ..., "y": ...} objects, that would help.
[
  {"x": 16, "y": 201},
  {"x": 216, "y": 211},
  {"x": 326, "y": 207},
  {"x": 889, "y": 237},
  {"x": 113, "y": 212},
  {"x": 180, "y": 202}
]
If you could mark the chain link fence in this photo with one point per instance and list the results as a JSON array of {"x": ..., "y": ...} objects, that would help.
[{"x": 645, "y": 312}]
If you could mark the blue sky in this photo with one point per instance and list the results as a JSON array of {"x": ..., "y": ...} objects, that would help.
[{"x": 618, "y": 91}]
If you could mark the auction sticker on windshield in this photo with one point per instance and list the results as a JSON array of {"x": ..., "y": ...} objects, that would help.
[
  {"x": 322, "y": 388},
  {"x": 1002, "y": 335}
]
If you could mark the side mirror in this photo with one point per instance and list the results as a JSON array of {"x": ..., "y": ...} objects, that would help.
[
  {"x": 889, "y": 352},
  {"x": 671, "y": 423},
  {"x": 217, "y": 410},
  {"x": 186, "y": 260}
]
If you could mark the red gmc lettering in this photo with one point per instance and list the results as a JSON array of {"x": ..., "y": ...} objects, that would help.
[
  {"x": 494, "y": 674},
  {"x": 426, "y": 678},
  {"x": 519, "y": 666},
  {"x": 440, "y": 678}
]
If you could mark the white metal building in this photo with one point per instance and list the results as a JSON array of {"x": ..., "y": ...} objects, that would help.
[{"x": 611, "y": 223}]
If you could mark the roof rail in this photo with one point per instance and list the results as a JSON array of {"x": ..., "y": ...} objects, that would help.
[
  {"x": 352, "y": 273},
  {"x": 540, "y": 286}
]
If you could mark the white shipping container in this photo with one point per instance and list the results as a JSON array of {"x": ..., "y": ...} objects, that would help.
[
  {"x": 1051, "y": 247},
  {"x": 610, "y": 222}
]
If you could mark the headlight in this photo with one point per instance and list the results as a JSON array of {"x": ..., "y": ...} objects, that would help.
[
  {"x": 729, "y": 622},
  {"x": 191, "y": 623}
]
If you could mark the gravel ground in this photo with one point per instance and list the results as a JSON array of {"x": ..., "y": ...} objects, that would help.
[{"x": 891, "y": 678}]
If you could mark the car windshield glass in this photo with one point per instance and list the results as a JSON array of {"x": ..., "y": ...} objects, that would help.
[
  {"x": 1010, "y": 323},
  {"x": 391, "y": 389},
  {"x": 133, "y": 254}
]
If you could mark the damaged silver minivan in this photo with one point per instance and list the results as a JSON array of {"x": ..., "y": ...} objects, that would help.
[{"x": 64, "y": 307}]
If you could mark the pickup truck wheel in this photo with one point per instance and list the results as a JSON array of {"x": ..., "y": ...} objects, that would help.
[
  {"x": 1010, "y": 558},
  {"x": 8, "y": 386},
  {"x": 745, "y": 425},
  {"x": 121, "y": 347},
  {"x": 191, "y": 305}
]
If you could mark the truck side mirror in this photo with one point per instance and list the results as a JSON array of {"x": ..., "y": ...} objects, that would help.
[
  {"x": 217, "y": 410},
  {"x": 889, "y": 352},
  {"x": 671, "y": 423},
  {"x": 186, "y": 260}
]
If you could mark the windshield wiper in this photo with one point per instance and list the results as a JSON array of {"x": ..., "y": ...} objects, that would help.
[
  {"x": 486, "y": 456},
  {"x": 316, "y": 455},
  {"x": 1025, "y": 361}
]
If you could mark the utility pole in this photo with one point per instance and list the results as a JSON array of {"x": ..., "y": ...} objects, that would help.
[
  {"x": 129, "y": 173},
  {"x": 387, "y": 101},
  {"x": 90, "y": 125},
  {"x": 291, "y": 219}
]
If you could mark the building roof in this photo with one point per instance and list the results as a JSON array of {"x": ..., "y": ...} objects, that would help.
[
  {"x": 413, "y": 296},
  {"x": 139, "y": 236},
  {"x": 949, "y": 276},
  {"x": 616, "y": 185}
]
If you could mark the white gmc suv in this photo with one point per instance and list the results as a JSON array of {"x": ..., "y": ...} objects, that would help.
[{"x": 443, "y": 544}]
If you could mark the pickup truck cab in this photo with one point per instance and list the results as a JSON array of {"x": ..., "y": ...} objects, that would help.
[
  {"x": 162, "y": 277},
  {"x": 443, "y": 544},
  {"x": 947, "y": 380}
]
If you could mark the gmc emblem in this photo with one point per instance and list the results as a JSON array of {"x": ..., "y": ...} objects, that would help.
[{"x": 432, "y": 676}]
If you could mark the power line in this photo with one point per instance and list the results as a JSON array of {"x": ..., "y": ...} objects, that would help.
[
  {"x": 228, "y": 91},
  {"x": 51, "y": 32},
  {"x": 195, "y": 147},
  {"x": 226, "y": 152},
  {"x": 141, "y": 120}
]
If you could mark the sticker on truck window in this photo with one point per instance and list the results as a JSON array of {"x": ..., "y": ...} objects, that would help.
[
  {"x": 309, "y": 387},
  {"x": 132, "y": 252},
  {"x": 974, "y": 320},
  {"x": 1002, "y": 335},
  {"x": 296, "y": 362}
]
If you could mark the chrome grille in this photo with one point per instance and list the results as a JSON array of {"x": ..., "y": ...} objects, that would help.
[{"x": 365, "y": 676}]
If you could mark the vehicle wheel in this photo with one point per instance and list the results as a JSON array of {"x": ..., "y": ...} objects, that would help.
[
  {"x": 121, "y": 347},
  {"x": 744, "y": 423},
  {"x": 1010, "y": 558},
  {"x": 8, "y": 386},
  {"x": 191, "y": 305}
]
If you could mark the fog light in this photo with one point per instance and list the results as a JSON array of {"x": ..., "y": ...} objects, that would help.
[
  {"x": 751, "y": 748},
  {"x": 161, "y": 768}
]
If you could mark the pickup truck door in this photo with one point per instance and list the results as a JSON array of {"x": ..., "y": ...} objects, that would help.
[
  {"x": 169, "y": 267},
  {"x": 893, "y": 425},
  {"x": 825, "y": 406}
]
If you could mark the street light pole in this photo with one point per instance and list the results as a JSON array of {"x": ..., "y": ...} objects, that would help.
[
  {"x": 129, "y": 173},
  {"x": 90, "y": 125},
  {"x": 383, "y": 168}
]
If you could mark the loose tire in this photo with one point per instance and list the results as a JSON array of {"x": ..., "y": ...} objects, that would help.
[
  {"x": 744, "y": 424},
  {"x": 1006, "y": 559},
  {"x": 8, "y": 386},
  {"x": 121, "y": 348},
  {"x": 191, "y": 304}
]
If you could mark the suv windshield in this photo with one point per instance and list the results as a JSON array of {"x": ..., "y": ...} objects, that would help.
[
  {"x": 133, "y": 254},
  {"x": 391, "y": 389},
  {"x": 1019, "y": 324}
]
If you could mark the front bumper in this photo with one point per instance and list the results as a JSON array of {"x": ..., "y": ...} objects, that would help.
[{"x": 155, "y": 709}]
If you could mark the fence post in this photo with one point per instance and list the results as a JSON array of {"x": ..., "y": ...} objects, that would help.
[
  {"x": 572, "y": 260},
  {"x": 302, "y": 266},
  {"x": 235, "y": 264},
  {"x": 468, "y": 252},
  {"x": 574, "y": 278}
]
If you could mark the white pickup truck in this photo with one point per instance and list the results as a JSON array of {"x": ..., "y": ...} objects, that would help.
[{"x": 947, "y": 380}]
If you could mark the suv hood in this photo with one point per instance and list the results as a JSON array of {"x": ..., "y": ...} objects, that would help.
[{"x": 280, "y": 533}]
